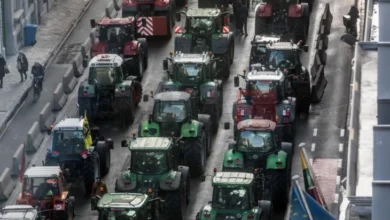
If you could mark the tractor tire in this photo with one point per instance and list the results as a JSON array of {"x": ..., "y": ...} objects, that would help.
[
  {"x": 104, "y": 157},
  {"x": 280, "y": 189},
  {"x": 175, "y": 204},
  {"x": 138, "y": 65},
  {"x": 145, "y": 49},
  {"x": 208, "y": 128},
  {"x": 224, "y": 65},
  {"x": 215, "y": 115},
  {"x": 231, "y": 52},
  {"x": 303, "y": 105},
  {"x": 266, "y": 209},
  {"x": 90, "y": 171},
  {"x": 127, "y": 114},
  {"x": 186, "y": 181},
  {"x": 195, "y": 154}
]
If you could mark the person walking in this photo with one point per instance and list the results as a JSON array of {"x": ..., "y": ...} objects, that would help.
[
  {"x": 238, "y": 17},
  {"x": 38, "y": 72},
  {"x": 22, "y": 66},
  {"x": 3, "y": 64},
  {"x": 243, "y": 14}
]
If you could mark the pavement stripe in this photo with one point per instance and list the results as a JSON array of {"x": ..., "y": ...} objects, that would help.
[
  {"x": 313, "y": 147},
  {"x": 315, "y": 132},
  {"x": 342, "y": 132},
  {"x": 341, "y": 147}
]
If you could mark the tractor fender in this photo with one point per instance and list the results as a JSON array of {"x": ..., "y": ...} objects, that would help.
[
  {"x": 174, "y": 177},
  {"x": 221, "y": 46},
  {"x": 263, "y": 10},
  {"x": 183, "y": 44},
  {"x": 298, "y": 10},
  {"x": 98, "y": 48},
  {"x": 131, "y": 48},
  {"x": 209, "y": 93},
  {"x": 278, "y": 157},
  {"x": 233, "y": 159},
  {"x": 149, "y": 129},
  {"x": 193, "y": 129},
  {"x": 288, "y": 148},
  {"x": 124, "y": 89},
  {"x": 122, "y": 184},
  {"x": 86, "y": 90}
]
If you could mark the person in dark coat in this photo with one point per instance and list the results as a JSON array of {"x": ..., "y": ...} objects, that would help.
[
  {"x": 237, "y": 17},
  {"x": 38, "y": 72},
  {"x": 3, "y": 63},
  {"x": 22, "y": 66},
  {"x": 243, "y": 14}
]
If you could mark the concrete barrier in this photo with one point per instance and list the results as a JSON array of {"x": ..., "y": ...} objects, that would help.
[
  {"x": 117, "y": 4},
  {"x": 34, "y": 138},
  {"x": 46, "y": 117},
  {"x": 319, "y": 84},
  {"x": 77, "y": 64},
  {"x": 7, "y": 185},
  {"x": 59, "y": 98},
  {"x": 86, "y": 47},
  {"x": 110, "y": 10},
  {"x": 320, "y": 58},
  {"x": 92, "y": 36},
  {"x": 69, "y": 81},
  {"x": 19, "y": 161},
  {"x": 322, "y": 42},
  {"x": 327, "y": 18}
]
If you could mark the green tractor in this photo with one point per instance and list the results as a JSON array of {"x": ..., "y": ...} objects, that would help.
[
  {"x": 155, "y": 170},
  {"x": 233, "y": 198},
  {"x": 175, "y": 115},
  {"x": 197, "y": 75},
  {"x": 206, "y": 30},
  {"x": 258, "y": 149},
  {"x": 134, "y": 206}
]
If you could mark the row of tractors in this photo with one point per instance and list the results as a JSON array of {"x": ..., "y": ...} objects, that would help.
[{"x": 172, "y": 146}]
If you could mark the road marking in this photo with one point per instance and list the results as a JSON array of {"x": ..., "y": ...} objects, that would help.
[
  {"x": 336, "y": 198},
  {"x": 338, "y": 180},
  {"x": 342, "y": 132},
  {"x": 315, "y": 132},
  {"x": 311, "y": 161},
  {"x": 341, "y": 147},
  {"x": 313, "y": 147},
  {"x": 339, "y": 163}
]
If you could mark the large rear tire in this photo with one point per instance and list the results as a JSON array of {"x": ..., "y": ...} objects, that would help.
[
  {"x": 90, "y": 171},
  {"x": 280, "y": 189},
  {"x": 195, "y": 154},
  {"x": 174, "y": 204},
  {"x": 104, "y": 157}
]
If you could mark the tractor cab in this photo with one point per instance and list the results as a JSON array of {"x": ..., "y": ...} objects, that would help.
[
  {"x": 284, "y": 55},
  {"x": 127, "y": 206},
  {"x": 259, "y": 48},
  {"x": 45, "y": 187},
  {"x": 106, "y": 69},
  {"x": 233, "y": 198}
]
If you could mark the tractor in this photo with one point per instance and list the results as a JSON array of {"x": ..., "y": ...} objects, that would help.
[
  {"x": 17, "y": 212},
  {"x": 207, "y": 30},
  {"x": 175, "y": 115},
  {"x": 153, "y": 17},
  {"x": 80, "y": 151},
  {"x": 134, "y": 206},
  {"x": 258, "y": 148},
  {"x": 155, "y": 170},
  {"x": 266, "y": 97},
  {"x": 283, "y": 17},
  {"x": 219, "y": 3},
  {"x": 233, "y": 198},
  {"x": 44, "y": 187},
  {"x": 116, "y": 36},
  {"x": 259, "y": 49},
  {"x": 109, "y": 92},
  {"x": 197, "y": 75}
]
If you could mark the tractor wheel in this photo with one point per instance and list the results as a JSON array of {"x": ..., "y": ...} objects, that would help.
[
  {"x": 205, "y": 119},
  {"x": 175, "y": 204},
  {"x": 261, "y": 26},
  {"x": 171, "y": 21},
  {"x": 195, "y": 154},
  {"x": 214, "y": 112},
  {"x": 186, "y": 181},
  {"x": 231, "y": 51},
  {"x": 280, "y": 189},
  {"x": 90, "y": 171},
  {"x": 303, "y": 105},
  {"x": 266, "y": 209},
  {"x": 145, "y": 49},
  {"x": 127, "y": 114},
  {"x": 104, "y": 157},
  {"x": 224, "y": 65}
]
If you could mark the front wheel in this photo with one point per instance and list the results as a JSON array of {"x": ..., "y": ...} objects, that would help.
[
  {"x": 90, "y": 171},
  {"x": 195, "y": 154},
  {"x": 174, "y": 204},
  {"x": 104, "y": 157},
  {"x": 280, "y": 189}
]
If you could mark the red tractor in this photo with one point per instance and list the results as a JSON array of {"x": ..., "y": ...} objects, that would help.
[
  {"x": 116, "y": 36},
  {"x": 153, "y": 17}
]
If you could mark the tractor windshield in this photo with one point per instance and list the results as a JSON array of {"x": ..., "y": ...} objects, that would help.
[
  {"x": 284, "y": 59},
  {"x": 201, "y": 25},
  {"x": 104, "y": 75},
  {"x": 169, "y": 111},
  {"x": 258, "y": 53},
  {"x": 255, "y": 141},
  {"x": 68, "y": 142},
  {"x": 145, "y": 162},
  {"x": 188, "y": 73},
  {"x": 40, "y": 188},
  {"x": 263, "y": 85},
  {"x": 230, "y": 198}
]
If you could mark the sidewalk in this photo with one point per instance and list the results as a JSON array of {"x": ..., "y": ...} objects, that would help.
[{"x": 55, "y": 26}]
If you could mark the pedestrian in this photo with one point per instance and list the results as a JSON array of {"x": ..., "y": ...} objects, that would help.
[
  {"x": 99, "y": 188},
  {"x": 3, "y": 68},
  {"x": 22, "y": 66},
  {"x": 238, "y": 17},
  {"x": 38, "y": 72},
  {"x": 243, "y": 13}
]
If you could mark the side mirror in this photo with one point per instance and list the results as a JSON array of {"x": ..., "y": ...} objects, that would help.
[
  {"x": 202, "y": 178},
  {"x": 110, "y": 143},
  {"x": 93, "y": 23},
  {"x": 146, "y": 98},
  {"x": 236, "y": 81},
  {"x": 305, "y": 48},
  {"x": 178, "y": 16},
  {"x": 165, "y": 64},
  {"x": 124, "y": 143},
  {"x": 226, "y": 126}
]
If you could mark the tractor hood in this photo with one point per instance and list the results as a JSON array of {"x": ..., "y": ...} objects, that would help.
[
  {"x": 133, "y": 182},
  {"x": 210, "y": 213},
  {"x": 233, "y": 160}
]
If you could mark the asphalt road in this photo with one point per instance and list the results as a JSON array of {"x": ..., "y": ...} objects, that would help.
[{"x": 323, "y": 126}]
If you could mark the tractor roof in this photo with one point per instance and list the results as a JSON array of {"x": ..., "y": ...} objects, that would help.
[
  {"x": 150, "y": 143},
  {"x": 172, "y": 96},
  {"x": 42, "y": 172},
  {"x": 18, "y": 212},
  {"x": 257, "y": 124},
  {"x": 70, "y": 124},
  {"x": 115, "y": 21},
  {"x": 255, "y": 74},
  {"x": 180, "y": 57},
  {"x": 122, "y": 200},
  {"x": 232, "y": 178},
  {"x": 203, "y": 12},
  {"x": 283, "y": 46},
  {"x": 106, "y": 60},
  {"x": 265, "y": 39}
]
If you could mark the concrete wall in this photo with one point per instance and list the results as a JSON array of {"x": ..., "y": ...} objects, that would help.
[{"x": 18, "y": 13}]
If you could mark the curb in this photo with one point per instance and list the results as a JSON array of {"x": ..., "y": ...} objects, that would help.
[{"x": 50, "y": 58}]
